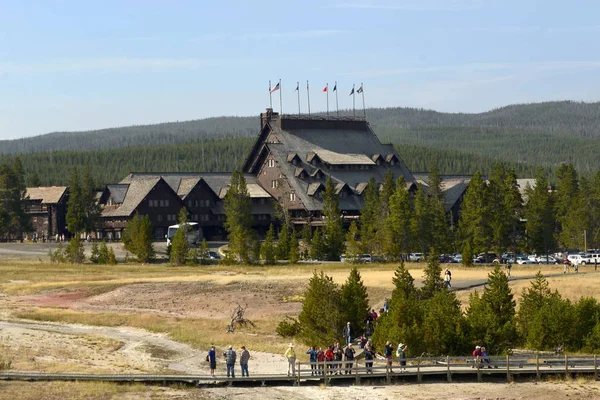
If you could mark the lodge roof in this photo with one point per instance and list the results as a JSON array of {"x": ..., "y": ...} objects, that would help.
[
  {"x": 138, "y": 190},
  {"x": 47, "y": 194},
  {"x": 453, "y": 186}
]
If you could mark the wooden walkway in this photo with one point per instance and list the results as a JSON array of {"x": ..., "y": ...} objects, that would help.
[{"x": 417, "y": 369}]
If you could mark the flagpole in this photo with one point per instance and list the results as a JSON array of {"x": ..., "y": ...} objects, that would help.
[
  {"x": 353, "y": 101},
  {"x": 298, "y": 90},
  {"x": 362, "y": 91},
  {"x": 308, "y": 95},
  {"x": 280, "y": 100},
  {"x": 337, "y": 107},
  {"x": 270, "y": 96},
  {"x": 327, "y": 92}
]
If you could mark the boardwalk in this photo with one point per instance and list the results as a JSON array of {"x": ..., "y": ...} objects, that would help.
[{"x": 437, "y": 368}]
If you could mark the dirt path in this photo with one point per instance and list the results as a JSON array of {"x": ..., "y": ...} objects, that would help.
[{"x": 145, "y": 350}]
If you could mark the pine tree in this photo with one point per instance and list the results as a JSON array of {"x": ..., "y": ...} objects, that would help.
[
  {"x": 74, "y": 252},
  {"x": 13, "y": 219},
  {"x": 491, "y": 317},
  {"x": 397, "y": 227},
  {"x": 387, "y": 189},
  {"x": 294, "y": 248},
  {"x": 438, "y": 217},
  {"x": 370, "y": 220},
  {"x": 112, "y": 259},
  {"x": 34, "y": 180},
  {"x": 268, "y": 247},
  {"x": 432, "y": 278},
  {"x": 404, "y": 283},
  {"x": 91, "y": 208},
  {"x": 539, "y": 212},
  {"x": 443, "y": 328},
  {"x": 95, "y": 255},
  {"x": 203, "y": 252},
  {"x": 137, "y": 238},
  {"x": 334, "y": 230},
  {"x": 75, "y": 212},
  {"x": 283, "y": 245},
  {"x": 420, "y": 223},
  {"x": 353, "y": 247},
  {"x": 103, "y": 254},
  {"x": 354, "y": 300},
  {"x": 238, "y": 218},
  {"x": 317, "y": 247},
  {"x": 180, "y": 246},
  {"x": 473, "y": 226},
  {"x": 306, "y": 238},
  {"x": 320, "y": 317}
]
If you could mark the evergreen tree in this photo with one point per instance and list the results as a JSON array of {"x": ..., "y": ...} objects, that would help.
[
  {"x": 238, "y": 218},
  {"x": 370, "y": 220},
  {"x": 540, "y": 217},
  {"x": 283, "y": 245},
  {"x": 353, "y": 247},
  {"x": 334, "y": 230},
  {"x": 104, "y": 254},
  {"x": 74, "y": 252},
  {"x": 404, "y": 283},
  {"x": 354, "y": 301},
  {"x": 13, "y": 219},
  {"x": 112, "y": 259},
  {"x": 397, "y": 226},
  {"x": 432, "y": 278},
  {"x": 438, "y": 217},
  {"x": 95, "y": 255},
  {"x": 75, "y": 212},
  {"x": 443, "y": 326},
  {"x": 91, "y": 208},
  {"x": 320, "y": 317},
  {"x": 34, "y": 180},
  {"x": 317, "y": 246},
  {"x": 504, "y": 205},
  {"x": 268, "y": 247},
  {"x": 387, "y": 189},
  {"x": 306, "y": 239},
  {"x": 420, "y": 223},
  {"x": 294, "y": 248},
  {"x": 473, "y": 226},
  {"x": 180, "y": 246},
  {"x": 491, "y": 317},
  {"x": 203, "y": 252},
  {"x": 137, "y": 238}
]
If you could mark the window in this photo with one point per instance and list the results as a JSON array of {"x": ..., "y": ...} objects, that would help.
[
  {"x": 292, "y": 196},
  {"x": 263, "y": 201},
  {"x": 159, "y": 218},
  {"x": 274, "y": 184},
  {"x": 161, "y": 203},
  {"x": 270, "y": 163},
  {"x": 150, "y": 203},
  {"x": 166, "y": 203}
]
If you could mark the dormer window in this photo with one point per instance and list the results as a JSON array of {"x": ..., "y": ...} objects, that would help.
[
  {"x": 292, "y": 196},
  {"x": 270, "y": 163}
]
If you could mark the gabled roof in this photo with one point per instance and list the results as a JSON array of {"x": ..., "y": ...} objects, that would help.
[
  {"x": 310, "y": 156},
  {"x": 376, "y": 157},
  {"x": 291, "y": 157},
  {"x": 186, "y": 185},
  {"x": 48, "y": 194},
  {"x": 360, "y": 188},
  {"x": 390, "y": 157},
  {"x": 341, "y": 186},
  {"x": 117, "y": 192},
  {"x": 453, "y": 186},
  {"x": 254, "y": 190},
  {"x": 317, "y": 172},
  {"x": 300, "y": 172},
  {"x": 136, "y": 193},
  {"x": 314, "y": 188}
]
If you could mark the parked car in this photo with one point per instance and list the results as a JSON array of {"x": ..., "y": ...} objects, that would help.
[
  {"x": 548, "y": 260},
  {"x": 213, "y": 255},
  {"x": 416, "y": 257},
  {"x": 366, "y": 258},
  {"x": 458, "y": 258},
  {"x": 521, "y": 260},
  {"x": 485, "y": 258},
  {"x": 591, "y": 257},
  {"x": 575, "y": 258}
]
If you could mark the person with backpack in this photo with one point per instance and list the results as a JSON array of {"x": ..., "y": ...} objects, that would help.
[
  {"x": 448, "y": 278},
  {"x": 369, "y": 355},
  {"x": 338, "y": 355},
  {"x": 349, "y": 354},
  {"x": 388, "y": 350},
  {"x": 401, "y": 354}
]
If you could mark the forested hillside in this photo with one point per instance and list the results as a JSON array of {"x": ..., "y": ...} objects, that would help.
[
  {"x": 525, "y": 136},
  {"x": 110, "y": 166}
]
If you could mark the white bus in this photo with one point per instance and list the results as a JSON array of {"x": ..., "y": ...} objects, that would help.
[{"x": 194, "y": 235}]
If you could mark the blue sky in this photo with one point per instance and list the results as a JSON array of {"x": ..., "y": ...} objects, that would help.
[{"x": 79, "y": 65}]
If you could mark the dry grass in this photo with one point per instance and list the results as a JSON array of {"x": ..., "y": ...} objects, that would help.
[
  {"x": 72, "y": 390},
  {"x": 200, "y": 333}
]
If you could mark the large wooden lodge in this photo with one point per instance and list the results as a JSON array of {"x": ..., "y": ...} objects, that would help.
[{"x": 291, "y": 160}]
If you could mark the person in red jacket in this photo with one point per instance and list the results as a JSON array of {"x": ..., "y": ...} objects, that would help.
[
  {"x": 329, "y": 358},
  {"x": 477, "y": 354},
  {"x": 320, "y": 360}
]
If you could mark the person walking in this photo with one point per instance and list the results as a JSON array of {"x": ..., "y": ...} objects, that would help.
[
  {"x": 349, "y": 354},
  {"x": 508, "y": 268},
  {"x": 212, "y": 359},
  {"x": 448, "y": 278},
  {"x": 230, "y": 357},
  {"x": 290, "y": 354},
  {"x": 312, "y": 356},
  {"x": 347, "y": 333},
  {"x": 338, "y": 355},
  {"x": 244, "y": 357}
]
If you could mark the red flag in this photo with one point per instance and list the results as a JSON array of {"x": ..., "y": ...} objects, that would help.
[{"x": 325, "y": 89}]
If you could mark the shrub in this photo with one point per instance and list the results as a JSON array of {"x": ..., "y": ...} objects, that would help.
[{"x": 289, "y": 327}]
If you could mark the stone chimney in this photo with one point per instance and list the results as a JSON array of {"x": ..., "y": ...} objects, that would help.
[{"x": 269, "y": 117}]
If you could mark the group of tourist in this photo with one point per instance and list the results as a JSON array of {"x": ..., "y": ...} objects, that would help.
[
  {"x": 481, "y": 358},
  {"x": 333, "y": 358},
  {"x": 230, "y": 358}
]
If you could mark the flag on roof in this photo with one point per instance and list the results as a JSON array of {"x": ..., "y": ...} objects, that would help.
[
  {"x": 335, "y": 87},
  {"x": 298, "y": 86},
  {"x": 360, "y": 89},
  {"x": 325, "y": 89},
  {"x": 276, "y": 87},
  {"x": 352, "y": 92}
]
